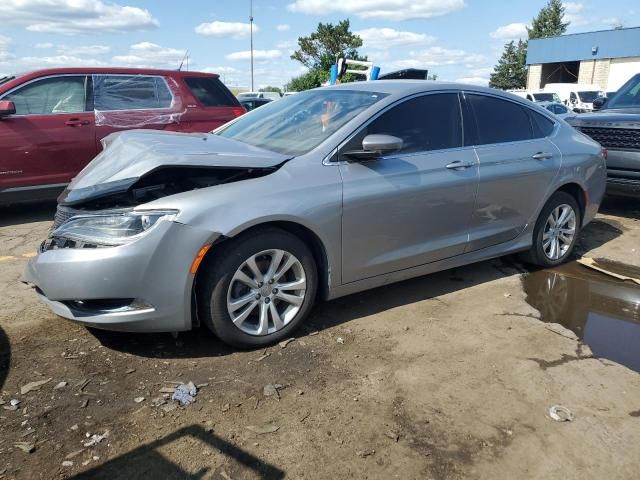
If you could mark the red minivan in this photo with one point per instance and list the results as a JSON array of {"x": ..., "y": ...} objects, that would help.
[{"x": 52, "y": 121}]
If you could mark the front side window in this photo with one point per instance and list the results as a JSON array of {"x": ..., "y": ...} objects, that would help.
[
  {"x": 64, "y": 94},
  {"x": 299, "y": 123},
  {"x": 499, "y": 121},
  {"x": 130, "y": 92},
  {"x": 429, "y": 122},
  {"x": 573, "y": 98}
]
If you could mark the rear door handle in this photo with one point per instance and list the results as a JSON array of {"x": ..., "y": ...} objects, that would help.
[
  {"x": 541, "y": 155},
  {"x": 74, "y": 122},
  {"x": 458, "y": 165}
]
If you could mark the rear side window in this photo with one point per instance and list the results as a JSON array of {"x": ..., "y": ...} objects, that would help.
[
  {"x": 542, "y": 126},
  {"x": 64, "y": 94},
  {"x": 210, "y": 92},
  {"x": 130, "y": 92},
  {"x": 429, "y": 122},
  {"x": 498, "y": 121}
]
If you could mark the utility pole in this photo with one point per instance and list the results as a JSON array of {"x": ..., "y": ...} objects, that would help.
[{"x": 251, "y": 31}]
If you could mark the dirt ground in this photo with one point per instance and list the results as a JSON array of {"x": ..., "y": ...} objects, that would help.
[{"x": 442, "y": 377}]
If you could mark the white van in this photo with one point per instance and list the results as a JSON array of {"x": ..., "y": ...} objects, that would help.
[
  {"x": 578, "y": 97},
  {"x": 538, "y": 96}
]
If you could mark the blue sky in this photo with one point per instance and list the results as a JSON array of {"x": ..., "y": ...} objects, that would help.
[{"x": 457, "y": 39}]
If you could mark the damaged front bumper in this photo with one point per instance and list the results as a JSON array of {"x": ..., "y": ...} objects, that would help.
[{"x": 143, "y": 286}]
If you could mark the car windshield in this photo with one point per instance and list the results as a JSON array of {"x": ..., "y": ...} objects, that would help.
[
  {"x": 589, "y": 96},
  {"x": 299, "y": 123},
  {"x": 546, "y": 97},
  {"x": 628, "y": 96}
]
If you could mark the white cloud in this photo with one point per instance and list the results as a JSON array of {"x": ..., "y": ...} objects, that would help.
[
  {"x": 150, "y": 55},
  {"x": 283, "y": 27},
  {"x": 83, "y": 50},
  {"x": 574, "y": 14},
  {"x": 4, "y": 48},
  {"x": 286, "y": 45},
  {"x": 258, "y": 55},
  {"x": 44, "y": 45},
  {"x": 34, "y": 63},
  {"x": 383, "y": 38},
  {"x": 474, "y": 80},
  {"x": 434, "y": 56},
  {"x": 75, "y": 16},
  {"x": 612, "y": 22},
  {"x": 512, "y": 31},
  {"x": 219, "y": 70},
  {"x": 225, "y": 29},
  {"x": 380, "y": 9}
]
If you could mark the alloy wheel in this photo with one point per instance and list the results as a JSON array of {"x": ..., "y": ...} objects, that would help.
[
  {"x": 559, "y": 232},
  {"x": 266, "y": 292}
]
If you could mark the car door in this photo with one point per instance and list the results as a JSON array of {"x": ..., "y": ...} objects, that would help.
[
  {"x": 413, "y": 206},
  {"x": 51, "y": 134},
  {"x": 517, "y": 165}
]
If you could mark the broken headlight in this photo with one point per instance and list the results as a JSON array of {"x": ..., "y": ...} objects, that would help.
[{"x": 114, "y": 228}]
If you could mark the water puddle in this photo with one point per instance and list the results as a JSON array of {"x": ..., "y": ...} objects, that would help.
[{"x": 603, "y": 311}]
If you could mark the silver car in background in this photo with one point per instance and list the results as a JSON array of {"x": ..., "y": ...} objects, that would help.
[{"x": 318, "y": 195}]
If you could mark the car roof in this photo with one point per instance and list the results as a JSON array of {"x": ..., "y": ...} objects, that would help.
[
  {"x": 116, "y": 70},
  {"x": 407, "y": 86}
]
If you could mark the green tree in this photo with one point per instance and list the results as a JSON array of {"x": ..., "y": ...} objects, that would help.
[
  {"x": 511, "y": 70},
  {"x": 271, "y": 89},
  {"x": 549, "y": 21},
  {"x": 329, "y": 42},
  {"x": 312, "y": 79},
  {"x": 322, "y": 49}
]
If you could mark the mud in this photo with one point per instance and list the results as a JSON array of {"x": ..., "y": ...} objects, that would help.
[{"x": 602, "y": 311}]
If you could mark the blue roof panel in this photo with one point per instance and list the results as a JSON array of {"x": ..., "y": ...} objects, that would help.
[{"x": 580, "y": 46}]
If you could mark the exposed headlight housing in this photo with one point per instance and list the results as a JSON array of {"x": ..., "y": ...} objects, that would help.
[{"x": 113, "y": 228}]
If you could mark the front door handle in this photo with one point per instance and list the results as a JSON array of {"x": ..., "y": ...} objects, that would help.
[
  {"x": 74, "y": 122},
  {"x": 458, "y": 165},
  {"x": 541, "y": 155}
]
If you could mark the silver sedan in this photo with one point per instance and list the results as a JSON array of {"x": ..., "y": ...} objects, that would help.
[{"x": 318, "y": 195}]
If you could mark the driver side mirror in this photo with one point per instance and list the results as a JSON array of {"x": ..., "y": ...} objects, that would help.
[
  {"x": 7, "y": 107},
  {"x": 374, "y": 146}
]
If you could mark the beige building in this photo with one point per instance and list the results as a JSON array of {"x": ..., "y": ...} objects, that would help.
[{"x": 606, "y": 58}]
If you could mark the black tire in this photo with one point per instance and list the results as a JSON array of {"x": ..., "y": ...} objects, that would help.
[
  {"x": 219, "y": 271},
  {"x": 536, "y": 254}
]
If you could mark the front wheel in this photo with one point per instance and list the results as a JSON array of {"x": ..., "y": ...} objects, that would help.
[
  {"x": 259, "y": 288},
  {"x": 555, "y": 232}
]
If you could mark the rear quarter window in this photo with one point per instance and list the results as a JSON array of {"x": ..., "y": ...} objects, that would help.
[
  {"x": 211, "y": 92},
  {"x": 498, "y": 121},
  {"x": 542, "y": 126}
]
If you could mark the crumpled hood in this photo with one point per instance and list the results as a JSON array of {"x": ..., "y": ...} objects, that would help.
[
  {"x": 607, "y": 118},
  {"x": 131, "y": 154}
]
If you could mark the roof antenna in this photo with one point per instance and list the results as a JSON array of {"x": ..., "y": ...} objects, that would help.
[{"x": 185, "y": 57}]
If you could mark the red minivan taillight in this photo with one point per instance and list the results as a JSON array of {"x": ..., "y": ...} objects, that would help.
[{"x": 605, "y": 153}]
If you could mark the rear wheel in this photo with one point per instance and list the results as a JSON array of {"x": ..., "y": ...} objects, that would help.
[
  {"x": 555, "y": 232},
  {"x": 259, "y": 288}
]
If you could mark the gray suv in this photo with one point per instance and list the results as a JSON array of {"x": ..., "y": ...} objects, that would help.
[{"x": 316, "y": 196}]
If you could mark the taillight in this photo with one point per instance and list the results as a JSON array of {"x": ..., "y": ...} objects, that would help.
[
  {"x": 604, "y": 153},
  {"x": 237, "y": 111}
]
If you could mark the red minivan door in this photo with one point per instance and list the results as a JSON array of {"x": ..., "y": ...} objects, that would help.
[{"x": 51, "y": 136}]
